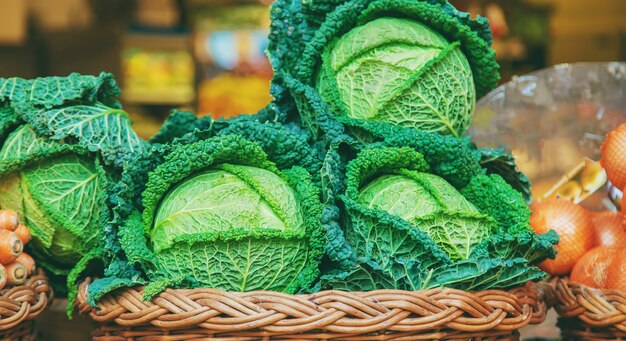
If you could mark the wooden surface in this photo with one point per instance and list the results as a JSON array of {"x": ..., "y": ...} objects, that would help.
[{"x": 53, "y": 324}]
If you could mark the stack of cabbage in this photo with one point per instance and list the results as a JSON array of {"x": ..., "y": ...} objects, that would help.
[{"x": 355, "y": 177}]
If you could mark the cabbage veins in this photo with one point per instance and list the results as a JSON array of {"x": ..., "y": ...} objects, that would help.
[{"x": 399, "y": 71}]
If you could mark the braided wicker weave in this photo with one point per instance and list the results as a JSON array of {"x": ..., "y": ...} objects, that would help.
[
  {"x": 375, "y": 315},
  {"x": 24, "y": 302},
  {"x": 22, "y": 332},
  {"x": 590, "y": 314}
]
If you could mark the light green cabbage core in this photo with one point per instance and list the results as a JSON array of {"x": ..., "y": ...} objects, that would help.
[
  {"x": 232, "y": 227},
  {"x": 432, "y": 205},
  {"x": 402, "y": 72},
  {"x": 230, "y": 197}
]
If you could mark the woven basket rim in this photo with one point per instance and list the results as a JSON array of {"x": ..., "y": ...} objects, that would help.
[
  {"x": 334, "y": 311},
  {"x": 592, "y": 307},
  {"x": 24, "y": 302}
]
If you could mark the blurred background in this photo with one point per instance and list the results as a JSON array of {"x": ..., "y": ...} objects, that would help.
[{"x": 208, "y": 55}]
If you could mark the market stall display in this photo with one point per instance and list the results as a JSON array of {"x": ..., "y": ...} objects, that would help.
[
  {"x": 350, "y": 207},
  {"x": 327, "y": 214},
  {"x": 24, "y": 290}
]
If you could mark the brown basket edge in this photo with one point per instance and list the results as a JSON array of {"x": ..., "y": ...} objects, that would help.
[
  {"x": 593, "y": 307},
  {"x": 25, "y": 302},
  {"x": 507, "y": 310}
]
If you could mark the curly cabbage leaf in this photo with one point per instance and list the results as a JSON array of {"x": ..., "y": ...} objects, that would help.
[
  {"x": 285, "y": 144},
  {"x": 497, "y": 161},
  {"x": 399, "y": 71}
]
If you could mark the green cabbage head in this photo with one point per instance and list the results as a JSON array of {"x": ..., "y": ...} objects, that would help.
[
  {"x": 59, "y": 197},
  {"x": 63, "y": 141},
  {"x": 223, "y": 200},
  {"x": 231, "y": 220},
  {"x": 431, "y": 204},
  {"x": 399, "y": 71}
]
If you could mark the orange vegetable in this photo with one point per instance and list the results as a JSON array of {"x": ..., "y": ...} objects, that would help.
[
  {"x": 575, "y": 229},
  {"x": 8, "y": 220},
  {"x": 23, "y": 233},
  {"x": 614, "y": 156},
  {"x": 28, "y": 262},
  {"x": 591, "y": 269},
  {"x": 10, "y": 246},
  {"x": 16, "y": 273},
  {"x": 3, "y": 276},
  {"x": 609, "y": 229},
  {"x": 616, "y": 273}
]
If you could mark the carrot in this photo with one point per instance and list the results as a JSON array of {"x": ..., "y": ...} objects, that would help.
[
  {"x": 10, "y": 246},
  {"x": 28, "y": 262},
  {"x": 23, "y": 233},
  {"x": 3, "y": 276},
  {"x": 16, "y": 273},
  {"x": 8, "y": 220}
]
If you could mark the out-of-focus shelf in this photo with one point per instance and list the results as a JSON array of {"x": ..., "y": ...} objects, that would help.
[{"x": 158, "y": 97}]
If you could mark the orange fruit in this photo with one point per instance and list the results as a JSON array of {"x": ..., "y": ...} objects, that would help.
[
  {"x": 616, "y": 273},
  {"x": 575, "y": 229},
  {"x": 609, "y": 229},
  {"x": 614, "y": 156},
  {"x": 591, "y": 269}
]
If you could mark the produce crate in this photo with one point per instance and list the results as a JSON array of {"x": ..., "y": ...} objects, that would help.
[
  {"x": 588, "y": 313},
  {"x": 441, "y": 313},
  {"x": 20, "y": 304}
]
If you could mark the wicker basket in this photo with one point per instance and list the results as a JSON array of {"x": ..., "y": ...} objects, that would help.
[
  {"x": 19, "y": 305},
  {"x": 210, "y": 314},
  {"x": 590, "y": 314}
]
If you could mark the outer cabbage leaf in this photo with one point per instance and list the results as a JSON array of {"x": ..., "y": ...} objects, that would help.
[
  {"x": 287, "y": 145},
  {"x": 497, "y": 161},
  {"x": 49, "y": 92},
  {"x": 492, "y": 195},
  {"x": 96, "y": 127},
  {"x": 81, "y": 108},
  {"x": 268, "y": 261},
  {"x": 8, "y": 121},
  {"x": 368, "y": 275}
]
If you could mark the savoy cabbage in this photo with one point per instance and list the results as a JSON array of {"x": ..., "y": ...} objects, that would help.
[
  {"x": 406, "y": 228},
  {"x": 418, "y": 64},
  {"x": 236, "y": 224},
  {"x": 65, "y": 142},
  {"x": 231, "y": 204}
]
